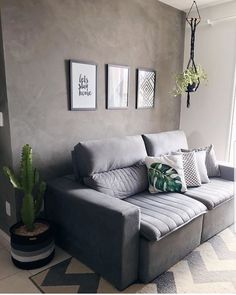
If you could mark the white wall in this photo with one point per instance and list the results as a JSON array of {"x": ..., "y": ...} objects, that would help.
[{"x": 208, "y": 119}]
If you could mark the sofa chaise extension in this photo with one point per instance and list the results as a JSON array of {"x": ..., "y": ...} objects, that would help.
[{"x": 104, "y": 215}]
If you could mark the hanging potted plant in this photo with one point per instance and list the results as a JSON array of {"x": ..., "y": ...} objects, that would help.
[
  {"x": 32, "y": 243},
  {"x": 189, "y": 80}
]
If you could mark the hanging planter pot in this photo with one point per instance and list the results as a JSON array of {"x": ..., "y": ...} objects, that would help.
[
  {"x": 192, "y": 87},
  {"x": 190, "y": 79}
]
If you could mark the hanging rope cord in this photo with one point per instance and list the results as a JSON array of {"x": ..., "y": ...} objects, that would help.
[
  {"x": 193, "y": 22},
  {"x": 193, "y": 25}
]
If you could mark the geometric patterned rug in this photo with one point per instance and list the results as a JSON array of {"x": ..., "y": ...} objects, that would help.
[{"x": 210, "y": 268}]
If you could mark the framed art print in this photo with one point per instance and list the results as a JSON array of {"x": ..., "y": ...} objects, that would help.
[
  {"x": 117, "y": 87},
  {"x": 83, "y": 85},
  {"x": 145, "y": 92}
]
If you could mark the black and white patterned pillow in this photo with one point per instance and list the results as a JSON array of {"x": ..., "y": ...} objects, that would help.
[
  {"x": 212, "y": 167},
  {"x": 191, "y": 173},
  {"x": 190, "y": 165}
]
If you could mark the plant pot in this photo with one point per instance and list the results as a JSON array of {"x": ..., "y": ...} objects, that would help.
[
  {"x": 192, "y": 87},
  {"x": 29, "y": 252}
]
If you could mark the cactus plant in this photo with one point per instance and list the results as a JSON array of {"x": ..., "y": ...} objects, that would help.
[{"x": 30, "y": 184}]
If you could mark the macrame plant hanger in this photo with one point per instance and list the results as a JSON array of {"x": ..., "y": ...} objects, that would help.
[{"x": 193, "y": 22}]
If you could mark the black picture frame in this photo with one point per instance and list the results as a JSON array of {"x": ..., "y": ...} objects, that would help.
[
  {"x": 148, "y": 88},
  {"x": 109, "y": 104},
  {"x": 73, "y": 106}
]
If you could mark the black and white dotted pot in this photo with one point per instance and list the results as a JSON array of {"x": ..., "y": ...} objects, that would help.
[{"x": 32, "y": 252}]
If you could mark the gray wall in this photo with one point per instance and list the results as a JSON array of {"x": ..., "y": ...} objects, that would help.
[
  {"x": 215, "y": 49},
  {"x": 40, "y": 36},
  {"x": 6, "y": 190}
]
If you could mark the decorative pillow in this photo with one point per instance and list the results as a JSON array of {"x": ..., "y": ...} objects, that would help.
[
  {"x": 201, "y": 164},
  {"x": 191, "y": 173},
  {"x": 166, "y": 174},
  {"x": 120, "y": 183},
  {"x": 212, "y": 167}
]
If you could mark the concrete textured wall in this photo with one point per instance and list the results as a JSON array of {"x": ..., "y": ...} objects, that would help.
[
  {"x": 40, "y": 36},
  {"x": 6, "y": 190}
]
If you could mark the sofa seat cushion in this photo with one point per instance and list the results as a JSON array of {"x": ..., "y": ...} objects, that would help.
[
  {"x": 213, "y": 193},
  {"x": 164, "y": 213}
]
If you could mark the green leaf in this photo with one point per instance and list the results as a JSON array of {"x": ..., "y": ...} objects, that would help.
[
  {"x": 164, "y": 178},
  {"x": 12, "y": 177}
]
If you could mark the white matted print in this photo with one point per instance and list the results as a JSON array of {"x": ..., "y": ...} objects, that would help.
[
  {"x": 117, "y": 86},
  {"x": 146, "y": 84},
  {"x": 83, "y": 83}
]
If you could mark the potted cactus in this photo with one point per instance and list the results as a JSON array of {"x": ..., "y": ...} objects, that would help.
[{"x": 32, "y": 243}]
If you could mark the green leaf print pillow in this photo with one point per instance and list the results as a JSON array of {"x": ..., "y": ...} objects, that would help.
[{"x": 166, "y": 174}]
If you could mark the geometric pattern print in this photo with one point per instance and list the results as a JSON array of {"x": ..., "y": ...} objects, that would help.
[
  {"x": 146, "y": 89},
  {"x": 210, "y": 268},
  {"x": 192, "y": 176}
]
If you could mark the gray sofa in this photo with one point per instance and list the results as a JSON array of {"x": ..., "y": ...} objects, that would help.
[{"x": 105, "y": 216}]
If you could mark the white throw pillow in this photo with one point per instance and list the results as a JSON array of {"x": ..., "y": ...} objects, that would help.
[
  {"x": 213, "y": 169},
  {"x": 201, "y": 163},
  {"x": 166, "y": 174}
]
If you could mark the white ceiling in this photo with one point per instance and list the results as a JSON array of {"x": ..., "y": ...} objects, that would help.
[{"x": 186, "y": 4}]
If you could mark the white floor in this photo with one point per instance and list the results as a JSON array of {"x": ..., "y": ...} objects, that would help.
[{"x": 14, "y": 280}]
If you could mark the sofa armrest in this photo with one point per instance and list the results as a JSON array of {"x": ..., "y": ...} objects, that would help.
[
  {"x": 101, "y": 231},
  {"x": 226, "y": 171}
]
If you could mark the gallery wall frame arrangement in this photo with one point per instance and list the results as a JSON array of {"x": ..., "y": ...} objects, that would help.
[
  {"x": 117, "y": 86},
  {"x": 83, "y": 86},
  {"x": 145, "y": 88}
]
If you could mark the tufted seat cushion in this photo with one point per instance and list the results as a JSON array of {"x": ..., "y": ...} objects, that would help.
[
  {"x": 164, "y": 213},
  {"x": 213, "y": 193}
]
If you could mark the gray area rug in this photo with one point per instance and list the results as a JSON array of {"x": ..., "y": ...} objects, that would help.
[{"x": 210, "y": 268}]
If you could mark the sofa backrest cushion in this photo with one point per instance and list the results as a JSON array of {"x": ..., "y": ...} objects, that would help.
[
  {"x": 120, "y": 183},
  {"x": 96, "y": 156},
  {"x": 164, "y": 142}
]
